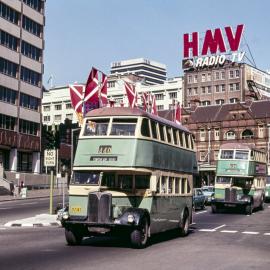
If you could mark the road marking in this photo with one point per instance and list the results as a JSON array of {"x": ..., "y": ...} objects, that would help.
[
  {"x": 207, "y": 230},
  {"x": 250, "y": 232},
  {"x": 3, "y": 208},
  {"x": 201, "y": 212},
  {"x": 266, "y": 233},
  {"x": 219, "y": 227},
  {"x": 227, "y": 231},
  {"x": 27, "y": 203}
]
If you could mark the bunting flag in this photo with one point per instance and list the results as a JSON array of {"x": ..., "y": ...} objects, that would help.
[
  {"x": 103, "y": 91},
  {"x": 144, "y": 98},
  {"x": 91, "y": 94},
  {"x": 76, "y": 97},
  {"x": 149, "y": 103},
  {"x": 178, "y": 114},
  {"x": 131, "y": 94},
  {"x": 153, "y": 105}
]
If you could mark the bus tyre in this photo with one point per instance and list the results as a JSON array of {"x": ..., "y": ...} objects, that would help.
[
  {"x": 262, "y": 204},
  {"x": 248, "y": 209},
  {"x": 72, "y": 237},
  {"x": 139, "y": 237},
  {"x": 184, "y": 225}
]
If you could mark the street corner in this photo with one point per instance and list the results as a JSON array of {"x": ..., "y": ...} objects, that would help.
[{"x": 42, "y": 220}]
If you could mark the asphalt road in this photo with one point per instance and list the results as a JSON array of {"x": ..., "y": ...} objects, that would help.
[
  {"x": 216, "y": 241},
  {"x": 18, "y": 209}
]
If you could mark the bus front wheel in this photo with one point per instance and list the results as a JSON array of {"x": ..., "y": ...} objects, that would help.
[
  {"x": 248, "y": 209},
  {"x": 72, "y": 237},
  {"x": 139, "y": 237}
]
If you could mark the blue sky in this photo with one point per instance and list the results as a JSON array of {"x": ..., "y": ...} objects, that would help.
[{"x": 80, "y": 34}]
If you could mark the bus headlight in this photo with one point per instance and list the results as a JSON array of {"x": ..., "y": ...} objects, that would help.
[
  {"x": 65, "y": 215},
  {"x": 130, "y": 218}
]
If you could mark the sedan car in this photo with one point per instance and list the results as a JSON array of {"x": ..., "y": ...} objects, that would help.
[
  {"x": 208, "y": 192},
  {"x": 198, "y": 199}
]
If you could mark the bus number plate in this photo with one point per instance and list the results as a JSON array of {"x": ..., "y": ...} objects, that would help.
[
  {"x": 76, "y": 209},
  {"x": 105, "y": 149}
]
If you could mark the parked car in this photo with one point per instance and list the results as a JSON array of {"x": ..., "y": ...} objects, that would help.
[
  {"x": 267, "y": 189},
  {"x": 208, "y": 192},
  {"x": 198, "y": 199}
]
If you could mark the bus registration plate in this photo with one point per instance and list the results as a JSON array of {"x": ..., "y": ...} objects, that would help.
[{"x": 76, "y": 209}]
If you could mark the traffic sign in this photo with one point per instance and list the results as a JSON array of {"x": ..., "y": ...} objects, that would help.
[{"x": 49, "y": 158}]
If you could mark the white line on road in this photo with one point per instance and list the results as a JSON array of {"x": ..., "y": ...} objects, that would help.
[
  {"x": 207, "y": 230},
  {"x": 27, "y": 203},
  {"x": 201, "y": 212},
  {"x": 219, "y": 227},
  {"x": 250, "y": 232},
  {"x": 3, "y": 208},
  {"x": 227, "y": 231},
  {"x": 266, "y": 233}
]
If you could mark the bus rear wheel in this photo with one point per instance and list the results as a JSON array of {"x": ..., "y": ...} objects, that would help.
[
  {"x": 72, "y": 237},
  {"x": 139, "y": 237},
  {"x": 184, "y": 225}
]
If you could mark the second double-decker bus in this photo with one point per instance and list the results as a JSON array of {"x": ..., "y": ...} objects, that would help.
[
  {"x": 240, "y": 178},
  {"x": 132, "y": 175}
]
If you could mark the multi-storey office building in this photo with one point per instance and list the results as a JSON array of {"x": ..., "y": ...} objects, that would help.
[
  {"x": 21, "y": 68},
  {"x": 224, "y": 84},
  {"x": 152, "y": 72}
]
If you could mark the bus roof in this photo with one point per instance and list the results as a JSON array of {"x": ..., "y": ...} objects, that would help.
[
  {"x": 127, "y": 111},
  {"x": 239, "y": 146}
]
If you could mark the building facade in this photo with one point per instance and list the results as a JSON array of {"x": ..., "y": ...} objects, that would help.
[
  {"x": 229, "y": 83},
  {"x": 21, "y": 67},
  {"x": 152, "y": 72}
]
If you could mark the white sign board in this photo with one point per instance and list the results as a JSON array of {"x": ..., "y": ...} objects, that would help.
[{"x": 49, "y": 158}]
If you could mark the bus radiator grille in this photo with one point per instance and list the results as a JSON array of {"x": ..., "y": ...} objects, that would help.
[
  {"x": 230, "y": 195},
  {"x": 99, "y": 207}
]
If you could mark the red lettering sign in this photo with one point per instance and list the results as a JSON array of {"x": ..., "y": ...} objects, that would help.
[{"x": 213, "y": 41}]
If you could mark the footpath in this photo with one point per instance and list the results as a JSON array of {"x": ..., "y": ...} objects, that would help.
[{"x": 40, "y": 220}]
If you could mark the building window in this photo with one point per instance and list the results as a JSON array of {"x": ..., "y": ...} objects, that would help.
[
  {"x": 58, "y": 107},
  {"x": 7, "y": 122},
  {"x": 32, "y": 26},
  {"x": 203, "y": 90},
  {"x": 28, "y": 127},
  {"x": 8, "y": 40},
  {"x": 203, "y": 77},
  {"x": 7, "y": 95},
  {"x": 217, "y": 75},
  {"x": 217, "y": 133},
  {"x": 8, "y": 13},
  {"x": 247, "y": 134},
  {"x": 209, "y": 89},
  {"x": 216, "y": 155},
  {"x": 230, "y": 135},
  {"x": 68, "y": 106},
  {"x": 30, "y": 76},
  {"x": 111, "y": 84},
  {"x": 8, "y": 68},
  {"x": 24, "y": 162},
  {"x": 29, "y": 102},
  {"x": 208, "y": 77},
  {"x": 159, "y": 96},
  {"x": 69, "y": 116},
  {"x": 35, "y": 4},
  {"x": 173, "y": 95},
  {"x": 189, "y": 79},
  {"x": 206, "y": 103},
  {"x": 261, "y": 132},
  {"x": 220, "y": 101},
  {"x": 223, "y": 88},
  {"x": 237, "y": 73},
  {"x": 216, "y": 88},
  {"x": 231, "y": 74},
  {"x": 195, "y": 91},
  {"x": 46, "y": 108},
  {"x": 189, "y": 91},
  {"x": 46, "y": 118},
  {"x": 160, "y": 107},
  {"x": 223, "y": 75},
  {"x": 57, "y": 117},
  {"x": 195, "y": 78},
  {"x": 231, "y": 85},
  {"x": 237, "y": 86},
  {"x": 31, "y": 51},
  {"x": 202, "y": 135},
  {"x": 202, "y": 155},
  {"x": 233, "y": 100}
]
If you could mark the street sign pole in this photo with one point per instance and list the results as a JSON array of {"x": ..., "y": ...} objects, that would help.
[{"x": 51, "y": 193}]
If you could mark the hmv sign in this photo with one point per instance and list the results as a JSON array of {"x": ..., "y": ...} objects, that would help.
[{"x": 214, "y": 48}]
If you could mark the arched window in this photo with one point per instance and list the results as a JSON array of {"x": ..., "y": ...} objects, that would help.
[
  {"x": 247, "y": 134},
  {"x": 230, "y": 135}
]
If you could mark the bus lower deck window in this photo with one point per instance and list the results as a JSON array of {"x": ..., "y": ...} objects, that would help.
[{"x": 142, "y": 181}]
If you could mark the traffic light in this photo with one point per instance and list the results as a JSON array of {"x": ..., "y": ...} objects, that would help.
[
  {"x": 50, "y": 139},
  {"x": 57, "y": 141}
]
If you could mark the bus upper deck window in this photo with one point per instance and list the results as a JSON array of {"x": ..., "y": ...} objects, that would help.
[
  {"x": 96, "y": 127},
  {"x": 226, "y": 154},
  {"x": 145, "y": 128},
  {"x": 154, "y": 129},
  {"x": 187, "y": 140},
  {"x": 142, "y": 181},
  {"x": 123, "y": 127},
  {"x": 241, "y": 154},
  {"x": 181, "y": 138},
  {"x": 175, "y": 136},
  {"x": 169, "y": 134},
  {"x": 125, "y": 181},
  {"x": 161, "y": 132}
]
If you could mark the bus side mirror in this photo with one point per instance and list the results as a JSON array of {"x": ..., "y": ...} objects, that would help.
[{"x": 153, "y": 184}]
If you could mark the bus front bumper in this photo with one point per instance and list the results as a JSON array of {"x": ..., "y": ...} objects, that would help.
[{"x": 234, "y": 204}]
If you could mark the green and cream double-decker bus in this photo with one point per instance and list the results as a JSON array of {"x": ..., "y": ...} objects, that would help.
[
  {"x": 240, "y": 178},
  {"x": 132, "y": 175}
]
